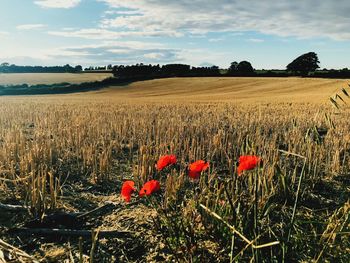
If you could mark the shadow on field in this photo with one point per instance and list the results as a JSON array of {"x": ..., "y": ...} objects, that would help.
[{"x": 64, "y": 87}]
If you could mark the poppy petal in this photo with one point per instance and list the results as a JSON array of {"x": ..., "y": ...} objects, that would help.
[
  {"x": 149, "y": 188},
  {"x": 196, "y": 168},
  {"x": 127, "y": 189},
  {"x": 165, "y": 161},
  {"x": 193, "y": 174},
  {"x": 247, "y": 162}
]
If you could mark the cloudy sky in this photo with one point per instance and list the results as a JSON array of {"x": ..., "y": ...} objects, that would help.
[{"x": 268, "y": 33}]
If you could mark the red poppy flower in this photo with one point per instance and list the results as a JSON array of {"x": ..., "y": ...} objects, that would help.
[
  {"x": 127, "y": 189},
  {"x": 247, "y": 162},
  {"x": 149, "y": 188},
  {"x": 165, "y": 161},
  {"x": 196, "y": 168}
]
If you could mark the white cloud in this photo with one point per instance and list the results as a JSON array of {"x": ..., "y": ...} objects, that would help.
[
  {"x": 302, "y": 19},
  {"x": 4, "y": 33},
  {"x": 25, "y": 57},
  {"x": 155, "y": 55},
  {"x": 255, "y": 40},
  {"x": 30, "y": 26},
  {"x": 116, "y": 52},
  {"x": 123, "y": 12},
  {"x": 88, "y": 33},
  {"x": 57, "y": 3},
  {"x": 69, "y": 28},
  {"x": 108, "y": 52},
  {"x": 219, "y": 39},
  {"x": 119, "y": 51},
  {"x": 101, "y": 33}
]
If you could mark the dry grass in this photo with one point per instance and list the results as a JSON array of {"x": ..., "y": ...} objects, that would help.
[
  {"x": 230, "y": 89},
  {"x": 73, "y": 151},
  {"x": 50, "y": 78}
]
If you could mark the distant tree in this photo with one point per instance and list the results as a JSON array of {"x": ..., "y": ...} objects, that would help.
[
  {"x": 5, "y": 64},
  {"x": 109, "y": 67},
  {"x": 176, "y": 70},
  {"x": 205, "y": 71},
  {"x": 304, "y": 64},
  {"x": 136, "y": 71},
  {"x": 233, "y": 68},
  {"x": 78, "y": 68},
  {"x": 245, "y": 68}
]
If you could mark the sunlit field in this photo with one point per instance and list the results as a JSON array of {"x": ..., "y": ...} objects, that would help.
[
  {"x": 50, "y": 78},
  {"x": 72, "y": 153},
  {"x": 228, "y": 89}
]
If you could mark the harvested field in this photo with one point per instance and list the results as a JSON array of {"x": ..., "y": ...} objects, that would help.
[
  {"x": 71, "y": 153},
  {"x": 230, "y": 89}
]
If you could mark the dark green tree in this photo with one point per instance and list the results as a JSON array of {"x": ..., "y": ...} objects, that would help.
[
  {"x": 233, "y": 67},
  {"x": 78, "y": 68},
  {"x": 245, "y": 68},
  {"x": 304, "y": 64}
]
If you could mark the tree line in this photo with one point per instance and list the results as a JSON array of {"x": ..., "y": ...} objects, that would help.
[
  {"x": 306, "y": 65},
  {"x": 7, "y": 68},
  {"x": 169, "y": 70}
]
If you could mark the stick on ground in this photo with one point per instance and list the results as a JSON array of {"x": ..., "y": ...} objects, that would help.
[
  {"x": 16, "y": 251},
  {"x": 15, "y": 208},
  {"x": 47, "y": 232}
]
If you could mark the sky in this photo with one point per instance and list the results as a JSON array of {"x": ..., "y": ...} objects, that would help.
[{"x": 268, "y": 33}]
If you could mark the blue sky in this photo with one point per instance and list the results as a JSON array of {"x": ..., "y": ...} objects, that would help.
[{"x": 268, "y": 33}]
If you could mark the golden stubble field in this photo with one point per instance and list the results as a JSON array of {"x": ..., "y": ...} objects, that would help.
[
  {"x": 71, "y": 153},
  {"x": 215, "y": 89}
]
